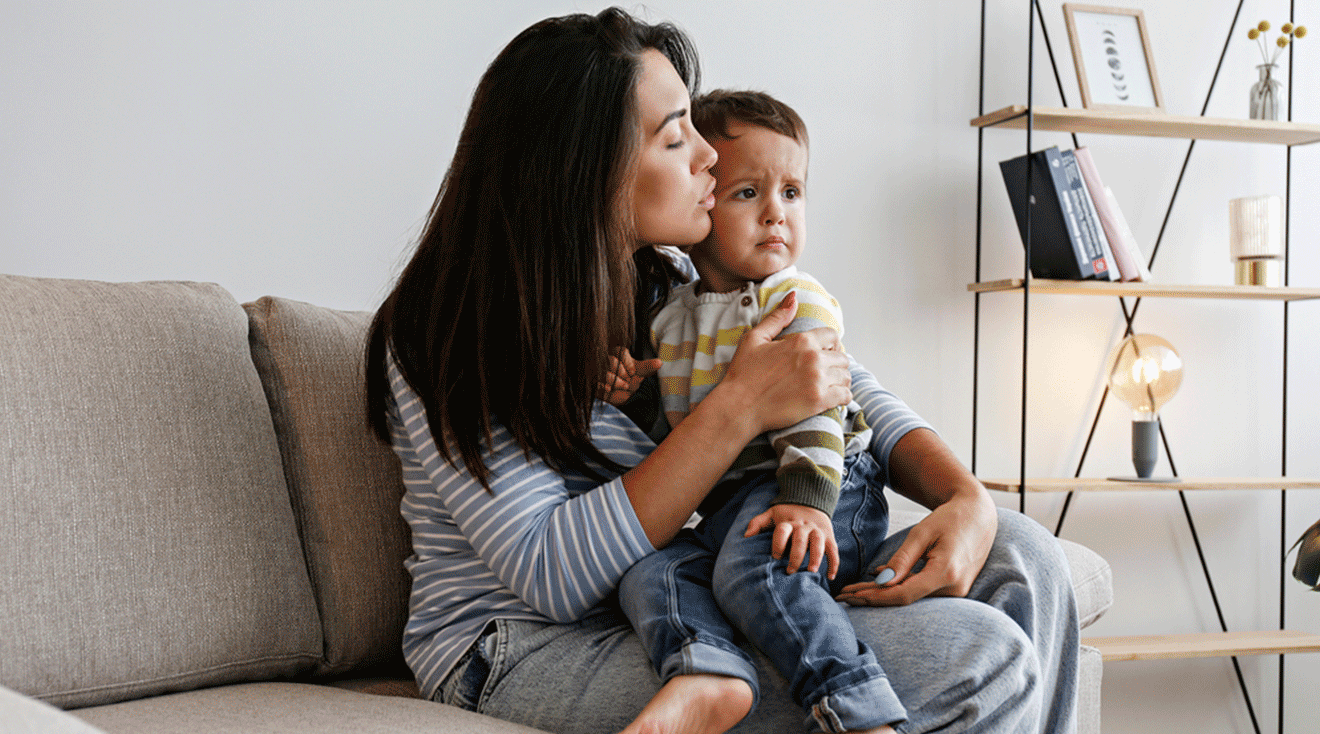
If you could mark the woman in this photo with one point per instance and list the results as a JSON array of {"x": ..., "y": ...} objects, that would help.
[{"x": 528, "y": 498}]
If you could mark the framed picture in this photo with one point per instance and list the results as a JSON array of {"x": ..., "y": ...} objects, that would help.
[{"x": 1111, "y": 51}]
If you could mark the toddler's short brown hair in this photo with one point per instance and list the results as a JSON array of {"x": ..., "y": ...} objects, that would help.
[{"x": 712, "y": 113}]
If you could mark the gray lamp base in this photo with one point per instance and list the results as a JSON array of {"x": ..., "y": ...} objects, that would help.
[{"x": 1145, "y": 451}]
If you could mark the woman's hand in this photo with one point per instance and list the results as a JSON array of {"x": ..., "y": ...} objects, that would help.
[
  {"x": 808, "y": 530},
  {"x": 778, "y": 382},
  {"x": 953, "y": 540}
]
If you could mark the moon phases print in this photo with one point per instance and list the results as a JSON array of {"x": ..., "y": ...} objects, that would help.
[
  {"x": 1112, "y": 54},
  {"x": 1115, "y": 65}
]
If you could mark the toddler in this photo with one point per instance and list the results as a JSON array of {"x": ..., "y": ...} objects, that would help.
[{"x": 810, "y": 491}]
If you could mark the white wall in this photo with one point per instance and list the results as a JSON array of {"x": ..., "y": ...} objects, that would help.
[{"x": 293, "y": 148}]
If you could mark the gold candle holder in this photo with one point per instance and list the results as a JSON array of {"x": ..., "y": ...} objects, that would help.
[{"x": 1255, "y": 238}]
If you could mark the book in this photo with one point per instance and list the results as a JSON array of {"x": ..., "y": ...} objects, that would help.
[
  {"x": 1092, "y": 230},
  {"x": 1107, "y": 210},
  {"x": 1125, "y": 234},
  {"x": 1058, "y": 248}
]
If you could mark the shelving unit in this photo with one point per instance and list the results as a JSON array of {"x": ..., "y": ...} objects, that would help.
[
  {"x": 1084, "y": 484},
  {"x": 1070, "y": 120},
  {"x": 1031, "y": 118},
  {"x": 1144, "y": 290}
]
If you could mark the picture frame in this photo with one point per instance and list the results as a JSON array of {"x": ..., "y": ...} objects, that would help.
[{"x": 1115, "y": 67}]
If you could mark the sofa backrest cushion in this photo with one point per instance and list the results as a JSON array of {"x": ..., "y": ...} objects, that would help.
[
  {"x": 345, "y": 484},
  {"x": 147, "y": 543}
]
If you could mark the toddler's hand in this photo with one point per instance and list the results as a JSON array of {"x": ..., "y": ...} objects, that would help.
[
  {"x": 626, "y": 375},
  {"x": 809, "y": 530}
]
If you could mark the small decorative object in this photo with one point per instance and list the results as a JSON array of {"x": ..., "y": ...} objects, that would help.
[
  {"x": 1255, "y": 239},
  {"x": 1144, "y": 371},
  {"x": 1266, "y": 91},
  {"x": 1307, "y": 567},
  {"x": 1111, "y": 50}
]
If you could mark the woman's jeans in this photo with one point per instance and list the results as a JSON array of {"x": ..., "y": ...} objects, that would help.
[
  {"x": 1004, "y": 659},
  {"x": 687, "y": 599}
]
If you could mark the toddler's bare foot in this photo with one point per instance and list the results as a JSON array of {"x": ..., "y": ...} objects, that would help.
[{"x": 695, "y": 704}]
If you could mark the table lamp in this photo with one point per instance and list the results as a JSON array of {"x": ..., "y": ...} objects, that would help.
[{"x": 1144, "y": 371}]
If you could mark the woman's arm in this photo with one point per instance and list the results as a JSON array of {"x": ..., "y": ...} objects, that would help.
[
  {"x": 771, "y": 383},
  {"x": 554, "y": 543}
]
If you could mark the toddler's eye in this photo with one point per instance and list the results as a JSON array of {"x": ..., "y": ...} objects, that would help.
[
  {"x": 792, "y": 192},
  {"x": 747, "y": 193}
]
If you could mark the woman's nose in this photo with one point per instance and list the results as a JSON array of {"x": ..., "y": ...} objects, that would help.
[{"x": 705, "y": 156}]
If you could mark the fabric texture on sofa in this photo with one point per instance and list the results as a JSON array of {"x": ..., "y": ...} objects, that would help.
[
  {"x": 147, "y": 529},
  {"x": 290, "y": 708},
  {"x": 345, "y": 485}
]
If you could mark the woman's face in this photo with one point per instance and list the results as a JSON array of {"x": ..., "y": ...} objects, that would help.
[{"x": 673, "y": 190}]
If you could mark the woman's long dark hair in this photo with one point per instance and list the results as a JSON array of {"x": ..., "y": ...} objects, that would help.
[{"x": 524, "y": 279}]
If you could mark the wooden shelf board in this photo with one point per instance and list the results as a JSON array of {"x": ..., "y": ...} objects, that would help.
[
  {"x": 1093, "y": 484},
  {"x": 1154, "y": 289},
  {"x": 1081, "y": 120},
  {"x": 1203, "y": 645}
]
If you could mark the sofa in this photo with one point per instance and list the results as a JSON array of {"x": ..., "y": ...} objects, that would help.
[{"x": 199, "y": 532}]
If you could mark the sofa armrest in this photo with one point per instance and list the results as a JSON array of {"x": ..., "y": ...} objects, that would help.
[{"x": 22, "y": 715}]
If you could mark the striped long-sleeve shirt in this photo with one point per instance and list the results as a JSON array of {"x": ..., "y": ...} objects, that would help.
[
  {"x": 541, "y": 546},
  {"x": 696, "y": 334}
]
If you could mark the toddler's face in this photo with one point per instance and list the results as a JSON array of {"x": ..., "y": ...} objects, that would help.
[{"x": 759, "y": 223}]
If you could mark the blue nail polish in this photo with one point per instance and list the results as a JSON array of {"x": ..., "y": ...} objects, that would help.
[{"x": 885, "y": 576}]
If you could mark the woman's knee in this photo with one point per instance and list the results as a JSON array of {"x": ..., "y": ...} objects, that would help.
[{"x": 1029, "y": 537}]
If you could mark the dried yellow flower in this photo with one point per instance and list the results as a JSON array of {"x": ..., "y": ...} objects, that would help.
[
  {"x": 1282, "y": 42},
  {"x": 1263, "y": 26},
  {"x": 1253, "y": 34},
  {"x": 1287, "y": 28},
  {"x": 1299, "y": 32}
]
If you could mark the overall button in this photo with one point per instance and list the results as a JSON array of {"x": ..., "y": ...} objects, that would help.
[{"x": 746, "y": 300}]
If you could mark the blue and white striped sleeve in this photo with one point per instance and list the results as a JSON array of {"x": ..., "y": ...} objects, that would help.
[
  {"x": 889, "y": 417},
  {"x": 561, "y": 550}
]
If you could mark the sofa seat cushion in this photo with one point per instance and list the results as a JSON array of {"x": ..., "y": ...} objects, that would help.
[
  {"x": 290, "y": 708},
  {"x": 147, "y": 543},
  {"x": 345, "y": 484}
]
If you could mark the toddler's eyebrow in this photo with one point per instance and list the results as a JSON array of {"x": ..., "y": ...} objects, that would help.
[{"x": 670, "y": 118}]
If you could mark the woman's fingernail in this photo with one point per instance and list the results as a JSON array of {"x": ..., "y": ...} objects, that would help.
[{"x": 886, "y": 575}]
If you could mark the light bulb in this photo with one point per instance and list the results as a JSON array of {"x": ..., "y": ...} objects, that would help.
[{"x": 1144, "y": 372}]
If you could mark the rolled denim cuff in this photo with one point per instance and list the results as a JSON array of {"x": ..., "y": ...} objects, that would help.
[
  {"x": 868, "y": 704},
  {"x": 708, "y": 656}
]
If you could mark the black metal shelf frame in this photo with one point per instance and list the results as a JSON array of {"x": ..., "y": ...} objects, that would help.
[{"x": 1129, "y": 316}]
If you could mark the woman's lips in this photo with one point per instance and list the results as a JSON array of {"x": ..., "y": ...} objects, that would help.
[{"x": 708, "y": 201}]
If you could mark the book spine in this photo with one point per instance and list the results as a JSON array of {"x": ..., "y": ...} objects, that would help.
[
  {"x": 1088, "y": 259},
  {"x": 1053, "y": 241},
  {"x": 1125, "y": 232},
  {"x": 1091, "y": 217},
  {"x": 1124, "y": 262},
  {"x": 1071, "y": 180}
]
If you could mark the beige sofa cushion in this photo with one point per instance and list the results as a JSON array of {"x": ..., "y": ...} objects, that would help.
[
  {"x": 146, "y": 539},
  {"x": 290, "y": 708},
  {"x": 345, "y": 484}
]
